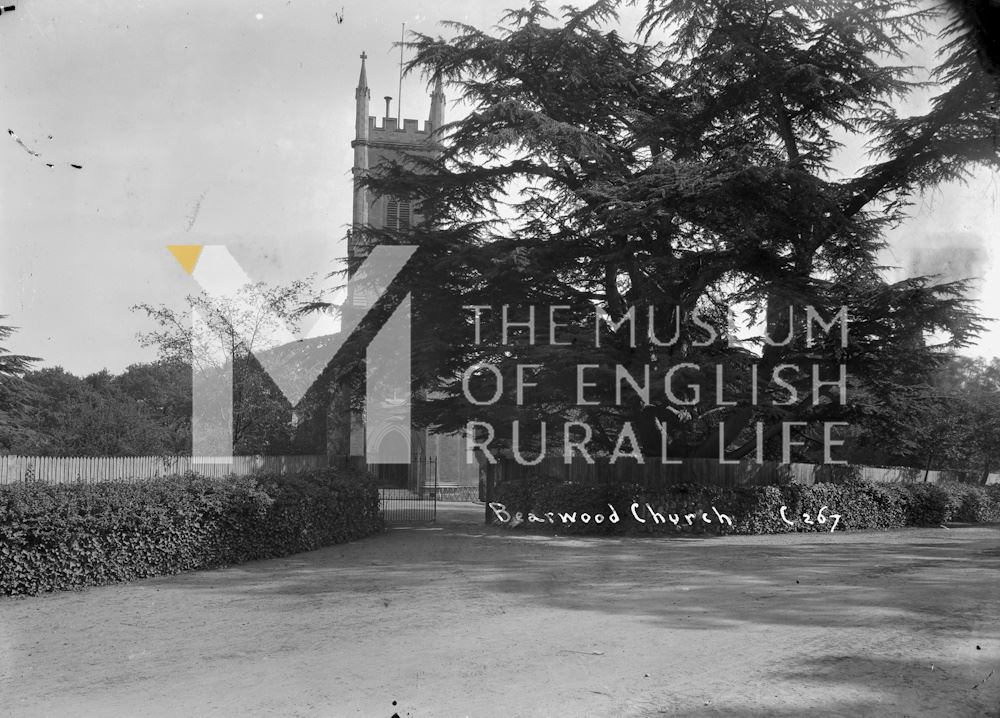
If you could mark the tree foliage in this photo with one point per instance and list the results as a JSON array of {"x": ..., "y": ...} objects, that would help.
[
  {"x": 102, "y": 414},
  {"x": 12, "y": 364},
  {"x": 239, "y": 326},
  {"x": 693, "y": 169},
  {"x": 14, "y": 394}
]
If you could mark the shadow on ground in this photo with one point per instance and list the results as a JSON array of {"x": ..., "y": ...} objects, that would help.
[{"x": 894, "y": 623}]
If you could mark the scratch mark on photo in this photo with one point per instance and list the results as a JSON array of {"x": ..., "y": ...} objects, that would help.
[
  {"x": 32, "y": 152},
  {"x": 193, "y": 217},
  {"x": 19, "y": 141}
]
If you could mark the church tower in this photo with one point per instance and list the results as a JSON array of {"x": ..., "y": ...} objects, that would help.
[{"x": 377, "y": 140}]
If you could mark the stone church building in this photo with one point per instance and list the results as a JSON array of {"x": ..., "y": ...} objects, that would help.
[{"x": 377, "y": 140}]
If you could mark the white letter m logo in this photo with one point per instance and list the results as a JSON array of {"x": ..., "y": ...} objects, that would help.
[{"x": 241, "y": 320}]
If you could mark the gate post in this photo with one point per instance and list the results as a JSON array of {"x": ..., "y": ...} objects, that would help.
[{"x": 490, "y": 478}]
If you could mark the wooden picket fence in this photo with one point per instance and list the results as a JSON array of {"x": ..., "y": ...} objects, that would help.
[{"x": 64, "y": 469}]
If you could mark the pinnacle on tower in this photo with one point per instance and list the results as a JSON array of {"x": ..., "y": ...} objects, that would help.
[
  {"x": 363, "y": 79},
  {"x": 437, "y": 104}
]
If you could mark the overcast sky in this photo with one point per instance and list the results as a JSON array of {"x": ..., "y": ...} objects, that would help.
[{"x": 230, "y": 123}]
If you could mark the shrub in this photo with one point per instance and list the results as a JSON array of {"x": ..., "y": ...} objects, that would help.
[
  {"x": 545, "y": 504},
  {"x": 928, "y": 505},
  {"x": 62, "y": 536},
  {"x": 972, "y": 504}
]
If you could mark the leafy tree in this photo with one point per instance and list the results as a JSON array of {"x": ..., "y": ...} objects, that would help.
[
  {"x": 163, "y": 389},
  {"x": 983, "y": 424},
  {"x": 13, "y": 392},
  {"x": 12, "y": 364},
  {"x": 951, "y": 423},
  {"x": 693, "y": 170},
  {"x": 972, "y": 388},
  {"x": 144, "y": 411},
  {"x": 242, "y": 325},
  {"x": 69, "y": 416}
]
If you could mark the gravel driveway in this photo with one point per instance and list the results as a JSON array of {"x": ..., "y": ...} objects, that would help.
[{"x": 456, "y": 619}]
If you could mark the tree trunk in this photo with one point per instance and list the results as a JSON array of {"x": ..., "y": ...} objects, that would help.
[{"x": 778, "y": 327}]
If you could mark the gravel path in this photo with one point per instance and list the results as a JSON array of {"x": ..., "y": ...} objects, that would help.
[{"x": 460, "y": 620}]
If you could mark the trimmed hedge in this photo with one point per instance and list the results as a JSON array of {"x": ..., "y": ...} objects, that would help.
[
  {"x": 65, "y": 536},
  {"x": 546, "y": 504}
]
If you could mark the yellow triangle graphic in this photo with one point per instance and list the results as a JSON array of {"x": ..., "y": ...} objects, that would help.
[{"x": 186, "y": 254}]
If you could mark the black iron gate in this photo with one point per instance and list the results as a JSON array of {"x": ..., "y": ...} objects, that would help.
[{"x": 407, "y": 492}]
